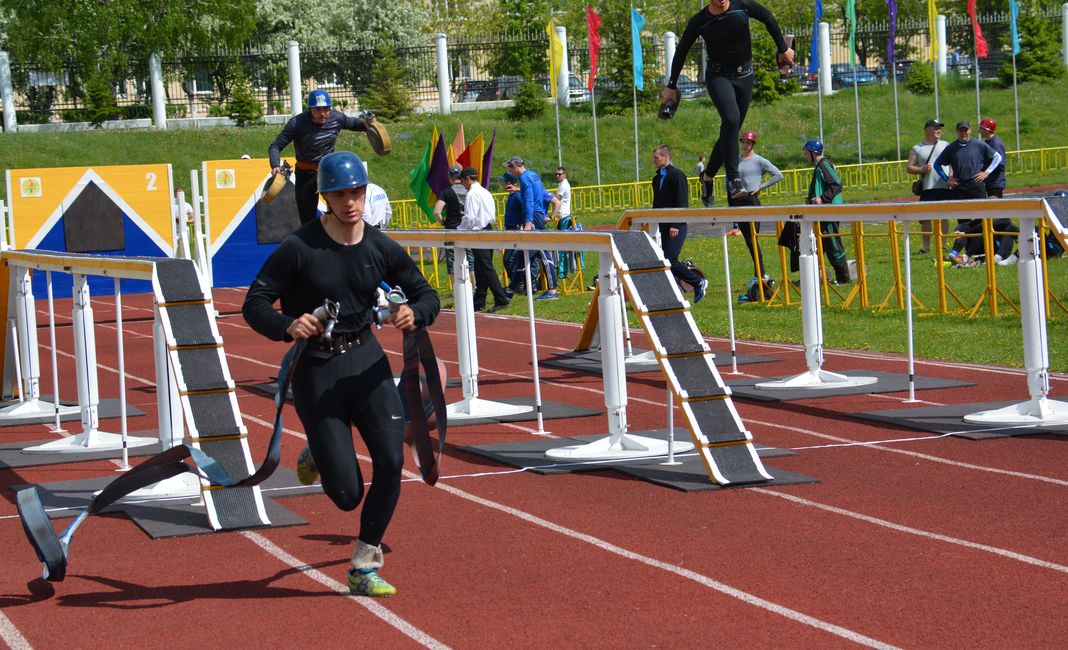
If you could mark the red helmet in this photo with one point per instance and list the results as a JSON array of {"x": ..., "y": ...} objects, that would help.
[
  {"x": 988, "y": 124},
  {"x": 749, "y": 135}
]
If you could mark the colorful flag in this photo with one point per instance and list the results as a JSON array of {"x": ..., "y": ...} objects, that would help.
[
  {"x": 1014, "y": 12},
  {"x": 472, "y": 155},
  {"x": 932, "y": 30},
  {"x": 438, "y": 174},
  {"x": 814, "y": 49},
  {"x": 637, "y": 23},
  {"x": 487, "y": 161},
  {"x": 593, "y": 24},
  {"x": 458, "y": 146},
  {"x": 556, "y": 58},
  {"x": 417, "y": 180},
  {"x": 981, "y": 48},
  {"x": 891, "y": 8},
  {"x": 851, "y": 18}
]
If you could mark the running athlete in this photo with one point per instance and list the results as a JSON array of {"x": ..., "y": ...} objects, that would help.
[
  {"x": 344, "y": 379},
  {"x": 751, "y": 169},
  {"x": 314, "y": 135},
  {"x": 724, "y": 26}
]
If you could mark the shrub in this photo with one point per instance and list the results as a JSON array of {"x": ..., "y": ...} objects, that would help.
[
  {"x": 529, "y": 102},
  {"x": 919, "y": 80},
  {"x": 74, "y": 114},
  {"x": 244, "y": 109},
  {"x": 135, "y": 111},
  {"x": 100, "y": 100}
]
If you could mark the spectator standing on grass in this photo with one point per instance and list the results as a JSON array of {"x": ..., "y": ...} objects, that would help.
[
  {"x": 921, "y": 161},
  {"x": 534, "y": 199},
  {"x": 449, "y": 211},
  {"x": 671, "y": 190},
  {"x": 970, "y": 162},
  {"x": 480, "y": 213},
  {"x": 1004, "y": 230},
  {"x": 752, "y": 169},
  {"x": 379, "y": 211},
  {"x": 314, "y": 135}
]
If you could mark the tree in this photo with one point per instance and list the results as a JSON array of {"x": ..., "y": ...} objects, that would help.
[
  {"x": 389, "y": 95},
  {"x": 353, "y": 24},
  {"x": 1039, "y": 57},
  {"x": 522, "y": 59},
  {"x": 244, "y": 109}
]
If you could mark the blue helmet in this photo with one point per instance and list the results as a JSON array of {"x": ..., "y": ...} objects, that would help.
[
  {"x": 341, "y": 170},
  {"x": 815, "y": 146},
  {"x": 1061, "y": 193},
  {"x": 319, "y": 99}
]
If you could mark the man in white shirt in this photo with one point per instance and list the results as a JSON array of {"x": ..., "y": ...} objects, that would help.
[
  {"x": 377, "y": 211},
  {"x": 480, "y": 213},
  {"x": 563, "y": 192}
]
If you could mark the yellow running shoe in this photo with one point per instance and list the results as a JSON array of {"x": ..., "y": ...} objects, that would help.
[
  {"x": 367, "y": 582},
  {"x": 307, "y": 471}
]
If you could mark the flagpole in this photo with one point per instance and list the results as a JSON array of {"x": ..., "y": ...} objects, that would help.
[
  {"x": 934, "y": 67},
  {"x": 856, "y": 108},
  {"x": 554, "y": 87},
  {"x": 978, "y": 111},
  {"x": 897, "y": 116},
  {"x": 1016, "y": 105},
  {"x": 637, "y": 169},
  {"x": 596, "y": 142}
]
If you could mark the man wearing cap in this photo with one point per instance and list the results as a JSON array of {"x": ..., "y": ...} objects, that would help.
[
  {"x": 534, "y": 199},
  {"x": 752, "y": 169},
  {"x": 314, "y": 135},
  {"x": 921, "y": 161},
  {"x": 480, "y": 213},
  {"x": 995, "y": 182},
  {"x": 971, "y": 162},
  {"x": 449, "y": 211}
]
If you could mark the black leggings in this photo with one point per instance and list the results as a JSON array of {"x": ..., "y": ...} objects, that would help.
[
  {"x": 749, "y": 230},
  {"x": 307, "y": 196},
  {"x": 731, "y": 96},
  {"x": 331, "y": 394},
  {"x": 672, "y": 247}
]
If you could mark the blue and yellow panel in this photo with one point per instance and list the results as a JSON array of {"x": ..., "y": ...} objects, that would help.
[
  {"x": 106, "y": 210},
  {"x": 242, "y": 231}
]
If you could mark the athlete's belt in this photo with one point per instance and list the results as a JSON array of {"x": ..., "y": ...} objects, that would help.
[
  {"x": 720, "y": 69},
  {"x": 341, "y": 342},
  {"x": 307, "y": 166}
]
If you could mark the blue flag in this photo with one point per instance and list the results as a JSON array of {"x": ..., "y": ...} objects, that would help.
[
  {"x": 814, "y": 53},
  {"x": 637, "y": 23},
  {"x": 1014, "y": 11}
]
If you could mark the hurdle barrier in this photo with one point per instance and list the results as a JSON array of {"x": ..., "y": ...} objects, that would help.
[
  {"x": 1039, "y": 409},
  {"x": 194, "y": 389},
  {"x": 631, "y": 267}
]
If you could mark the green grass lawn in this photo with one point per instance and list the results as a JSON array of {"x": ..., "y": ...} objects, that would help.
[{"x": 782, "y": 128}]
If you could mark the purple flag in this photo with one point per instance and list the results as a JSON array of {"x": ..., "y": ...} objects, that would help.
[{"x": 438, "y": 174}]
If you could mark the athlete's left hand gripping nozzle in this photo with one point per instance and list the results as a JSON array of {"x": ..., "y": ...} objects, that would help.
[{"x": 327, "y": 315}]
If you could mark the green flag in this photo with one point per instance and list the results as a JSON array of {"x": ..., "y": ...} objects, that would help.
[
  {"x": 417, "y": 180},
  {"x": 851, "y": 18}
]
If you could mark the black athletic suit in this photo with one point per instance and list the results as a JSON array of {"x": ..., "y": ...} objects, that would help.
[
  {"x": 729, "y": 76},
  {"x": 333, "y": 391}
]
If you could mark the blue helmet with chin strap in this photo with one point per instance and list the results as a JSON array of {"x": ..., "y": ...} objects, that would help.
[
  {"x": 815, "y": 146},
  {"x": 319, "y": 99},
  {"x": 341, "y": 170}
]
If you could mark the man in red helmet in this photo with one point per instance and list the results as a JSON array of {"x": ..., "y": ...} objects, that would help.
[
  {"x": 753, "y": 169},
  {"x": 995, "y": 182}
]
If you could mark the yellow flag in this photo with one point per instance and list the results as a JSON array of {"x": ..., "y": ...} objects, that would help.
[
  {"x": 932, "y": 37},
  {"x": 556, "y": 58}
]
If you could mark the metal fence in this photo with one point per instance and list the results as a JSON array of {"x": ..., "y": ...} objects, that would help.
[{"x": 201, "y": 84}]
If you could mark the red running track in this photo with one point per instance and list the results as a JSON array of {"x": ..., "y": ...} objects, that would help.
[{"x": 908, "y": 540}]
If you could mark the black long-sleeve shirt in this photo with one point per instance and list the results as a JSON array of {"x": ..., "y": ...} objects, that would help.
[
  {"x": 728, "y": 41},
  {"x": 309, "y": 267},
  {"x": 670, "y": 189},
  {"x": 312, "y": 141}
]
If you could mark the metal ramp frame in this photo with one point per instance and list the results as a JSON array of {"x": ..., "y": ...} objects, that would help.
[
  {"x": 206, "y": 391},
  {"x": 724, "y": 444}
]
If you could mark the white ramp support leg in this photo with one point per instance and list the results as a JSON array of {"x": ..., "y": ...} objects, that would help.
[
  {"x": 812, "y": 323},
  {"x": 1039, "y": 410},
  {"x": 618, "y": 445},
  {"x": 91, "y": 439},
  {"x": 471, "y": 407},
  {"x": 30, "y": 403}
]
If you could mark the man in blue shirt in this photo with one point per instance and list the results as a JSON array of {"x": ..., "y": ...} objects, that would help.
[
  {"x": 970, "y": 160},
  {"x": 533, "y": 197}
]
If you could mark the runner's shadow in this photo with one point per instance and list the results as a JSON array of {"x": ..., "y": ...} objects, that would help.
[
  {"x": 132, "y": 596},
  {"x": 39, "y": 588}
]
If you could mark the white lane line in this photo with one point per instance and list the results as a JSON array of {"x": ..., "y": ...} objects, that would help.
[
  {"x": 370, "y": 604},
  {"x": 11, "y": 635},
  {"x": 1012, "y": 555},
  {"x": 745, "y": 597},
  {"x": 915, "y": 454}
]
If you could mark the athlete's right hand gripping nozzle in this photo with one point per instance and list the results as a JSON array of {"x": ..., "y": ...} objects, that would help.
[{"x": 327, "y": 314}]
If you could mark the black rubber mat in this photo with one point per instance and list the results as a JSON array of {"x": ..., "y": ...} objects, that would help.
[
  {"x": 691, "y": 476},
  {"x": 949, "y": 419},
  {"x": 590, "y": 361},
  {"x": 888, "y": 382},
  {"x": 161, "y": 519},
  {"x": 530, "y": 454},
  {"x": 108, "y": 408}
]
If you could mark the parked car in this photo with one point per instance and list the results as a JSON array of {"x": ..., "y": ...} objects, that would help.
[
  {"x": 473, "y": 90},
  {"x": 808, "y": 81},
  {"x": 688, "y": 88},
  {"x": 843, "y": 74}
]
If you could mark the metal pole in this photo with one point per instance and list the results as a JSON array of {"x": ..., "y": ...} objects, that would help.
[
  {"x": 634, "y": 94},
  {"x": 908, "y": 314},
  {"x": 825, "y": 60},
  {"x": 159, "y": 96},
  {"x": 730, "y": 302},
  {"x": 7, "y": 94},
  {"x": 897, "y": 115},
  {"x": 596, "y": 142},
  {"x": 296, "y": 104},
  {"x": 533, "y": 346},
  {"x": 940, "y": 60},
  {"x": 441, "y": 47},
  {"x": 52, "y": 344},
  {"x": 1016, "y": 105},
  {"x": 122, "y": 380},
  {"x": 556, "y": 103},
  {"x": 669, "y": 52}
]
